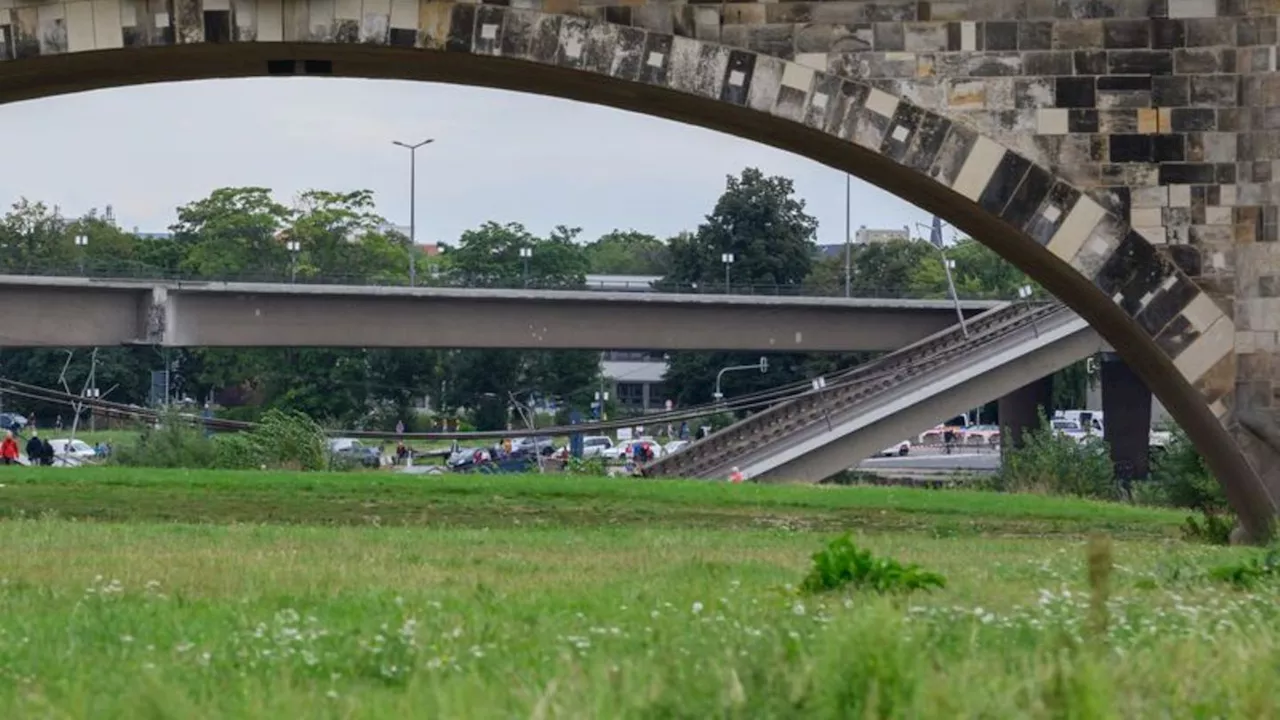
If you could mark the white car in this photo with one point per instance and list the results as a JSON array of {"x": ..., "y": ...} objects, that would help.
[
  {"x": 71, "y": 448},
  {"x": 596, "y": 446},
  {"x": 623, "y": 451},
  {"x": 900, "y": 450},
  {"x": 675, "y": 446}
]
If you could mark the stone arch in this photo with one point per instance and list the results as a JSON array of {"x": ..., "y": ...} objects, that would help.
[{"x": 1169, "y": 329}]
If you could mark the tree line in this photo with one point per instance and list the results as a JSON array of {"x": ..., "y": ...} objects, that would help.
[{"x": 244, "y": 232}]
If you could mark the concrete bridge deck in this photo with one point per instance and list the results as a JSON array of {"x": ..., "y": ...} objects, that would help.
[{"x": 79, "y": 312}]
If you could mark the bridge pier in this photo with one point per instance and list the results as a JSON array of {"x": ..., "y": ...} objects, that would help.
[
  {"x": 1019, "y": 411},
  {"x": 1126, "y": 408}
]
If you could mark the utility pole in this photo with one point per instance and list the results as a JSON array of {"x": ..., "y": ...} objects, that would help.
[
  {"x": 848, "y": 241},
  {"x": 413, "y": 202}
]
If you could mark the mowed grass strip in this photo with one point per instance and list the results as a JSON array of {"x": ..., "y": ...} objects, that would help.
[{"x": 205, "y": 496}]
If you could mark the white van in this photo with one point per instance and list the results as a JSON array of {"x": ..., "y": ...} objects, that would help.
[{"x": 1090, "y": 421}]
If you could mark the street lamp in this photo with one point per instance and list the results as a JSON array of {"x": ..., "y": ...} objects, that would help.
[
  {"x": 935, "y": 239},
  {"x": 293, "y": 246},
  {"x": 82, "y": 241},
  {"x": 413, "y": 201},
  {"x": 762, "y": 366},
  {"x": 1024, "y": 293},
  {"x": 525, "y": 254},
  {"x": 727, "y": 259}
]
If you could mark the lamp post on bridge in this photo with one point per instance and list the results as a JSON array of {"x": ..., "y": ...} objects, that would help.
[
  {"x": 1024, "y": 293},
  {"x": 293, "y": 246},
  {"x": 727, "y": 259},
  {"x": 525, "y": 254},
  {"x": 413, "y": 202},
  {"x": 82, "y": 241}
]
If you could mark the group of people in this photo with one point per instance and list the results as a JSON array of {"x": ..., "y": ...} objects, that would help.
[{"x": 39, "y": 451}]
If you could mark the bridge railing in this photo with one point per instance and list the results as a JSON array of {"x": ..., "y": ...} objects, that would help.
[{"x": 132, "y": 270}]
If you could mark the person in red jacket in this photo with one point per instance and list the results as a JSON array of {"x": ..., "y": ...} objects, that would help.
[{"x": 9, "y": 449}]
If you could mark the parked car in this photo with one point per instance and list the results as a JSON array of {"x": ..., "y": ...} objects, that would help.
[
  {"x": 1160, "y": 439},
  {"x": 78, "y": 449},
  {"x": 900, "y": 450},
  {"x": 530, "y": 445},
  {"x": 466, "y": 456},
  {"x": 981, "y": 435},
  {"x": 12, "y": 421},
  {"x": 675, "y": 446},
  {"x": 595, "y": 445},
  {"x": 626, "y": 450},
  {"x": 344, "y": 451}
]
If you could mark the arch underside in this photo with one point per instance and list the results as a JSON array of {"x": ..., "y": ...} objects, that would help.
[{"x": 1167, "y": 329}]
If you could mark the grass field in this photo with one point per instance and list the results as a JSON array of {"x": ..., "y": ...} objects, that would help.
[{"x": 127, "y": 593}]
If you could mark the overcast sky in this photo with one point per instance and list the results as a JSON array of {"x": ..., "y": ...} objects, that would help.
[{"x": 497, "y": 156}]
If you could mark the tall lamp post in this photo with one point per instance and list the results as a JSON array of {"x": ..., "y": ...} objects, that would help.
[
  {"x": 82, "y": 241},
  {"x": 413, "y": 202},
  {"x": 935, "y": 239},
  {"x": 525, "y": 254},
  {"x": 293, "y": 246},
  {"x": 727, "y": 259}
]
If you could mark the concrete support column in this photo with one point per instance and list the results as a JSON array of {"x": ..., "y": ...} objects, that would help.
[
  {"x": 1126, "y": 407},
  {"x": 1019, "y": 411}
]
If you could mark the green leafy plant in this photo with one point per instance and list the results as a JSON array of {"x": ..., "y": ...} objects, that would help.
[
  {"x": 1249, "y": 573},
  {"x": 843, "y": 563},
  {"x": 586, "y": 466},
  {"x": 1212, "y": 526},
  {"x": 1051, "y": 462},
  {"x": 282, "y": 440}
]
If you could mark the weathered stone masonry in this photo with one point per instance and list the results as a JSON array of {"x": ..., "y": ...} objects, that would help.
[{"x": 1136, "y": 141}]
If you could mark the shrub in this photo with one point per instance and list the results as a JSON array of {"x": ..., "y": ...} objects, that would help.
[
  {"x": 174, "y": 443},
  {"x": 1249, "y": 573},
  {"x": 281, "y": 440},
  {"x": 1149, "y": 493},
  {"x": 290, "y": 439},
  {"x": 1186, "y": 480},
  {"x": 1213, "y": 527},
  {"x": 1183, "y": 477},
  {"x": 586, "y": 466},
  {"x": 842, "y": 563},
  {"x": 1054, "y": 463}
]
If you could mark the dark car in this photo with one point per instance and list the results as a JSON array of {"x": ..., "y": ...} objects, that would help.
[
  {"x": 348, "y": 452},
  {"x": 12, "y": 421}
]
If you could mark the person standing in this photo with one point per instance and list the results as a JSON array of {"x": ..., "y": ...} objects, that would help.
[
  {"x": 46, "y": 457},
  {"x": 9, "y": 449},
  {"x": 35, "y": 448}
]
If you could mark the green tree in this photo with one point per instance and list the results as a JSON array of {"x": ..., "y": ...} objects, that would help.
[
  {"x": 889, "y": 269},
  {"x": 979, "y": 272},
  {"x": 762, "y": 223},
  {"x": 340, "y": 235},
  {"x": 628, "y": 253},
  {"x": 34, "y": 238},
  {"x": 232, "y": 232},
  {"x": 489, "y": 256}
]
